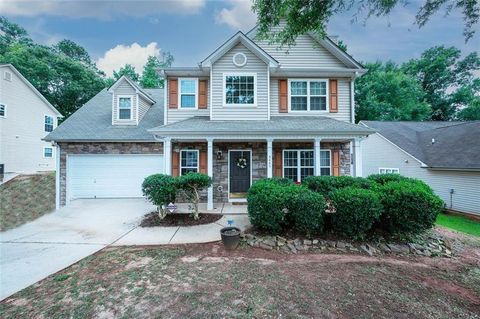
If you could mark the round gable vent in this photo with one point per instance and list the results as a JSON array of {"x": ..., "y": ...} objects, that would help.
[{"x": 239, "y": 59}]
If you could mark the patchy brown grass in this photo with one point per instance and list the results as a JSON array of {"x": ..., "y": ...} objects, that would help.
[
  {"x": 26, "y": 198},
  {"x": 205, "y": 281}
]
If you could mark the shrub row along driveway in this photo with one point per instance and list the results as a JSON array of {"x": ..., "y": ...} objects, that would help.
[{"x": 203, "y": 281}]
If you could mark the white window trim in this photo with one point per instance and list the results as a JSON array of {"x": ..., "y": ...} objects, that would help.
[
  {"x": 180, "y": 94},
  {"x": 224, "y": 93},
  {"x": 308, "y": 95},
  {"x": 53, "y": 123},
  {"x": 7, "y": 78},
  {"x": 50, "y": 147},
  {"x": 118, "y": 107},
  {"x": 329, "y": 160},
  {"x": 388, "y": 168},
  {"x": 5, "y": 111},
  {"x": 180, "y": 158},
  {"x": 299, "y": 167}
]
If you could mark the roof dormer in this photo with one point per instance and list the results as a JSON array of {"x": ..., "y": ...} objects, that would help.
[{"x": 129, "y": 102}]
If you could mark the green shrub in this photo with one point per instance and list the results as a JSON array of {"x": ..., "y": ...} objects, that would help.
[
  {"x": 306, "y": 210},
  {"x": 267, "y": 205},
  {"x": 326, "y": 184},
  {"x": 356, "y": 211},
  {"x": 382, "y": 179},
  {"x": 409, "y": 207},
  {"x": 191, "y": 184},
  {"x": 160, "y": 190}
]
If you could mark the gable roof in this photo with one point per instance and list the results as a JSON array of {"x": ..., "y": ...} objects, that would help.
[
  {"x": 329, "y": 45},
  {"x": 239, "y": 37},
  {"x": 447, "y": 145},
  {"x": 93, "y": 121},
  {"x": 137, "y": 88},
  {"x": 30, "y": 85}
]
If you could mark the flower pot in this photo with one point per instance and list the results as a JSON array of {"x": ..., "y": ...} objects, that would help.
[{"x": 230, "y": 237}]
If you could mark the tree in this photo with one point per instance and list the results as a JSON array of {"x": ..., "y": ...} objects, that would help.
[
  {"x": 470, "y": 113},
  {"x": 301, "y": 16},
  {"x": 64, "y": 73},
  {"x": 150, "y": 77},
  {"x": 385, "y": 93},
  {"x": 448, "y": 81},
  {"x": 127, "y": 70}
]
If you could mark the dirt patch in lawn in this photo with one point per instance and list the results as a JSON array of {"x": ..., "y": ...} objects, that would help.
[
  {"x": 26, "y": 198},
  {"x": 205, "y": 281},
  {"x": 152, "y": 220}
]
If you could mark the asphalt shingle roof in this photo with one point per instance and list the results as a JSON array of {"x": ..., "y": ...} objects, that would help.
[
  {"x": 277, "y": 124},
  {"x": 93, "y": 121},
  {"x": 456, "y": 144}
]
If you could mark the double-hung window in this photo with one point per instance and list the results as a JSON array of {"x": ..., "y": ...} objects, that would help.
[
  {"x": 308, "y": 95},
  {"x": 48, "y": 123},
  {"x": 3, "y": 110},
  {"x": 188, "y": 161},
  {"x": 188, "y": 93},
  {"x": 240, "y": 89},
  {"x": 47, "y": 152},
  {"x": 124, "y": 107},
  {"x": 383, "y": 170},
  {"x": 299, "y": 164}
]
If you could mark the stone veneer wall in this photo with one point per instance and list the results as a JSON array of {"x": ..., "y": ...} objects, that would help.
[{"x": 100, "y": 148}]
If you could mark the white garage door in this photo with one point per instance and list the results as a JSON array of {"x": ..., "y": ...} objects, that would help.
[{"x": 97, "y": 176}]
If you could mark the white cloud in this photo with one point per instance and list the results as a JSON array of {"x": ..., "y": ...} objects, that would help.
[
  {"x": 98, "y": 9},
  {"x": 238, "y": 15},
  {"x": 134, "y": 54}
]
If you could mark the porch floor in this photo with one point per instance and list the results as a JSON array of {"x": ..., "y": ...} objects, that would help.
[{"x": 218, "y": 208}]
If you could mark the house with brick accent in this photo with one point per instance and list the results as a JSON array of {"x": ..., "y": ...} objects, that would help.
[{"x": 249, "y": 110}]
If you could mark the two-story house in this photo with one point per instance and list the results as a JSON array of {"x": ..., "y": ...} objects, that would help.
[
  {"x": 248, "y": 111},
  {"x": 26, "y": 117}
]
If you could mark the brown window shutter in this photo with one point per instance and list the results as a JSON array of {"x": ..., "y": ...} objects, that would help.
[
  {"x": 202, "y": 94},
  {"x": 173, "y": 93},
  {"x": 175, "y": 163},
  {"x": 282, "y": 96},
  {"x": 336, "y": 162},
  {"x": 333, "y": 96},
  {"x": 203, "y": 161},
  {"x": 278, "y": 168}
]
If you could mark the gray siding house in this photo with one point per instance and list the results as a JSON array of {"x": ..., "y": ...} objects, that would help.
[
  {"x": 446, "y": 155},
  {"x": 247, "y": 111}
]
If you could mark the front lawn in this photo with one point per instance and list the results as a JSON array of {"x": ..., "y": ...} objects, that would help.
[
  {"x": 204, "y": 281},
  {"x": 26, "y": 198},
  {"x": 459, "y": 223}
]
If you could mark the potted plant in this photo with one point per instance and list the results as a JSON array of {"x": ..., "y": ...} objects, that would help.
[{"x": 230, "y": 237}]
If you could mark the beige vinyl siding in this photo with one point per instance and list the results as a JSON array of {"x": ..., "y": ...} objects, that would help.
[
  {"x": 344, "y": 109},
  {"x": 377, "y": 152},
  {"x": 143, "y": 107},
  {"x": 225, "y": 66},
  {"x": 22, "y": 130},
  {"x": 124, "y": 88},
  {"x": 179, "y": 114},
  {"x": 306, "y": 53}
]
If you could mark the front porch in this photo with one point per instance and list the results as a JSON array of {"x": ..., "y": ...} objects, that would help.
[{"x": 235, "y": 164}]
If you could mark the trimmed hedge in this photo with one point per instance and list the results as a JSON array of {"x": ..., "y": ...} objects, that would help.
[
  {"x": 326, "y": 184},
  {"x": 410, "y": 206},
  {"x": 275, "y": 205},
  {"x": 160, "y": 189},
  {"x": 382, "y": 179},
  {"x": 356, "y": 211}
]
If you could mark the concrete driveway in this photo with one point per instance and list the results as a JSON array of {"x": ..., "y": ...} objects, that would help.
[{"x": 40, "y": 248}]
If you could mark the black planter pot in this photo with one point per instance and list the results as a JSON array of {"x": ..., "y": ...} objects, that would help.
[{"x": 230, "y": 237}]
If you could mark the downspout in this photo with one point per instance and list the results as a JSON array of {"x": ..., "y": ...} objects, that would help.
[
  {"x": 352, "y": 98},
  {"x": 57, "y": 175}
]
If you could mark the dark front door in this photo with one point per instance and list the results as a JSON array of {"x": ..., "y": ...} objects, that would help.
[{"x": 239, "y": 172}]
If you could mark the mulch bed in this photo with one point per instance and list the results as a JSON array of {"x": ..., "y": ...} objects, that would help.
[{"x": 152, "y": 220}]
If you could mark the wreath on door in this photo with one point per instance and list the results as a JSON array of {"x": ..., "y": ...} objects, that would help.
[{"x": 241, "y": 162}]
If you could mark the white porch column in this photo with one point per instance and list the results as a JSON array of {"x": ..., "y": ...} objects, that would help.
[
  {"x": 210, "y": 172},
  {"x": 358, "y": 157},
  {"x": 57, "y": 176},
  {"x": 269, "y": 157},
  {"x": 167, "y": 151},
  {"x": 316, "y": 147}
]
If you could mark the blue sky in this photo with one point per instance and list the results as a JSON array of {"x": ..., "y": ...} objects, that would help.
[{"x": 118, "y": 32}]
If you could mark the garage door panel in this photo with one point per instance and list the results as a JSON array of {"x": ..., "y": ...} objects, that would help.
[{"x": 97, "y": 176}]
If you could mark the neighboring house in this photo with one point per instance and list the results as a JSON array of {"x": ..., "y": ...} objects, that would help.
[
  {"x": 446, "y": 155},
  {"x": 248, "y": 111},
  {"x": 26, "y": 117}
]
